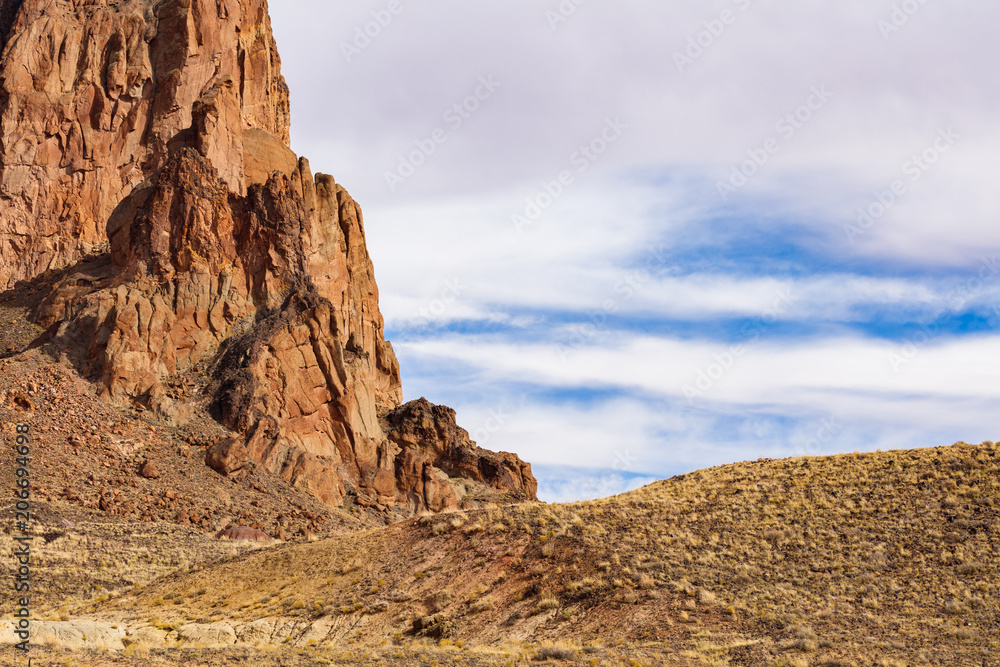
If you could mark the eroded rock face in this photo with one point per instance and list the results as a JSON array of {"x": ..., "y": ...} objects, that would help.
[
  {"x": 95, "y": 96},
  {"x": 434, "y": 450},
  {"x": 155, "y": 164},
  {"x": 198, "y": 272}
]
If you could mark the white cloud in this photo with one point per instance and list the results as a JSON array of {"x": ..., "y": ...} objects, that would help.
[
  {"x": 860, "y": 379},
  {"x": 890, "y": 98},
  {"x": 445, "y": 248}
]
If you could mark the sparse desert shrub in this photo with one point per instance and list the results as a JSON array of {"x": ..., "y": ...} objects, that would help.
[
  {"x": 628, "y": 597},
  {"x": 482, "y": 604},
  {"x": 969, "y": 568},
  {"x": 791, "y": 662},
  {"x": 555, "y": 653},
  {"x": 955, "y": 608},
  {"x": 585, "y": 587},
  {"x": 139, "y": 650},
  {"x": 685, "y": 586},
  {"x": 547, "y": 602}
]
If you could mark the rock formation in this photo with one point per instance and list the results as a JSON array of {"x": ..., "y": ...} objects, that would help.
[
  {"x": 96, "y": 94},
  {"x": 431, "y": 444},
  {"x": 145, "y": 155}
]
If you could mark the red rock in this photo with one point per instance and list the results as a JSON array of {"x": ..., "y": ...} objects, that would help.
[
  {"x": 148, "y": 470},
  {"x": 432, "y": 442},
  {"x": 154, "y": 135},
  {"x": 98, "y": 93},
  {"x": 227, "y": 456}
]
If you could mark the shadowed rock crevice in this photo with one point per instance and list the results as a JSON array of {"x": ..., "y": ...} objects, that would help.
[{"x": 8, "y": 13}]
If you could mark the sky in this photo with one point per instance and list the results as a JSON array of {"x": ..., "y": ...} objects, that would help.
[{"x": 627, "y": 240}]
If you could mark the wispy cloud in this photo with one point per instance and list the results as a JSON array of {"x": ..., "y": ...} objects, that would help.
[{"x": 840, "y": 298}]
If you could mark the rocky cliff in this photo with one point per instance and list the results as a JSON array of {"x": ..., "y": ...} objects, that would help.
[
  {"x": 145, "y": 169},
  {"x": 96, "y": 95}
]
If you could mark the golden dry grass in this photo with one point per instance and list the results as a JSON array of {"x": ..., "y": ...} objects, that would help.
[{"x": 851, "y": 559}]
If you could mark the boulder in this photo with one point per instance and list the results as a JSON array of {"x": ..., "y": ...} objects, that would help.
[
  {"x": 148, "y": 470},
  {"x": 227, "y": 456}
]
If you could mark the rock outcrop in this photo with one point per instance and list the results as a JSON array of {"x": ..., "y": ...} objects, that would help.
[
  {"x": 433, "y": 450},
  {"x": 95, "y": 96},
  {"x": 145, "y": 152}
]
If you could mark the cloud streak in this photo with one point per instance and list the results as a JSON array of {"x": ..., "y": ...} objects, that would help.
[{"x": 809, "y": 184}]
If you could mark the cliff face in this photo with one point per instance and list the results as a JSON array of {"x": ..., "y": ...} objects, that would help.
[
  {"x": 145, "y": 152},
  {"x": 95, "y": 95}
]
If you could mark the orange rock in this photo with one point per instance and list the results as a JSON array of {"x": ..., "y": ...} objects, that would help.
[
  {"x": 96, "y": 96},
  {"x": 227, "y": 456},
  {"x": 154, "y": 134},
  {"x": 148, "y": 470}
]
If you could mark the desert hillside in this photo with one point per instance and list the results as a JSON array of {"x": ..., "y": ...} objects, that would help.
[
  {"x": 193, "y": 351},
  {"x": 867, "y": 559}
]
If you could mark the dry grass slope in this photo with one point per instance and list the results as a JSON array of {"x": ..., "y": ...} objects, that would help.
[{"x": 866, "y": 559}]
